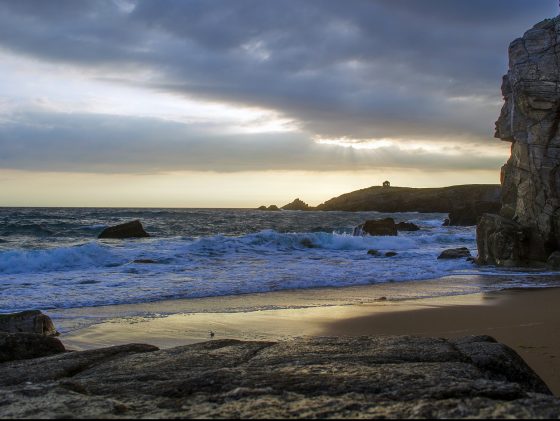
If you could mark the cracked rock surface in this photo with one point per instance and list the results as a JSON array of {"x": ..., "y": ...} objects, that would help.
[
  {"x": 527, "y": 231},
  {"x": 319, "y": 377}
]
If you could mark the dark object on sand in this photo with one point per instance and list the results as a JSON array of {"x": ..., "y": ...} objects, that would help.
[
  {"x": 457, "y": 253},
  {"x": 21, "y": 346},
  {"x": 382, "y": 227},
  {"x": 373, "y": 377},
  {"x": 133, "y": 229},
  {"x": 407, "y": 226},
  {"x": 32, "y": 321}
]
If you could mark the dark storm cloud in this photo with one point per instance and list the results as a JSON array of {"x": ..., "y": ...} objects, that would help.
[{"x": 367, "y": 69}]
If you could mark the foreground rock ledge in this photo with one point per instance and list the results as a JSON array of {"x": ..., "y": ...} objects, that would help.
[{"x": 319, "y": 377}]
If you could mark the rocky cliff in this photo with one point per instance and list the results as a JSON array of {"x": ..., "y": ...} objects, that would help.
[{"x": 527, "y": 230}]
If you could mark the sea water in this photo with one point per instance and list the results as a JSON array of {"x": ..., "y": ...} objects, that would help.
[{"x": 50, "y": 258}]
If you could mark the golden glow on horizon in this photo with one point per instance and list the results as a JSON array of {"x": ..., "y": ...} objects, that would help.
[{"x": 207, "y": 189}]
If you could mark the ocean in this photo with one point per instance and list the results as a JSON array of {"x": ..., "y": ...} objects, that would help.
[{"x": 50, "y": 258}]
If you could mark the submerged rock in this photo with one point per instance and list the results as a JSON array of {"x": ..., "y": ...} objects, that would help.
[
  {"x": 457, "y": 253},
  {"x": 377, "y": 227},
  {"x": 530, "y": 120},
  {"x": 391, "y": 254},
  {"x": 297, "y": 204},
  {"x": 374, "y": 377},
  {"x": 32, "y": 321},
  {"x": 21, "y": 346},
  {"x": 133, "y": 229},
  {"x": 374, "y": 252}
]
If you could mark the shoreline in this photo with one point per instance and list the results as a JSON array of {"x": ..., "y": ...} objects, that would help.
[{"x": 526, "y": 319}]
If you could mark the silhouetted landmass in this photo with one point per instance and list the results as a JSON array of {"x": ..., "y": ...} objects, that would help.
[{"x": 408, "y": 199}]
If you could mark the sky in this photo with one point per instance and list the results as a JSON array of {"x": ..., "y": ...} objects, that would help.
[{"x": 240, "y": 103}]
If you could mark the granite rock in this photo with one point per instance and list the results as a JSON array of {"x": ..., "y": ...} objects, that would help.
[
  {"x": 381, "y": 227},
  {"x": 297, "y": 204},
  {"x": 407, "y": 226},
  {"x": 21, "y": 346},
  {"x": 530, "y": 120},
  {"x": 457, "y": 253},
  {"x": 32, "y": 321},
  {"x": 133, "y": 229},
  {"x": 366, "y": 377}
]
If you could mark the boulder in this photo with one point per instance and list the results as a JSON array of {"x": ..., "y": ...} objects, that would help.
[
  {"x": 32, "y": 321},
  {"x": 297, "y": 204},
  {"x": 367, "y": 377},
  {"x": 530, "y": 120},
  {"x": 133, "y": 229},
  {"x": 457, "y": 253},
  {"x": 471, "y": 214},
  {"x": 407, "y": 226},
  {"x": 553, "y": 261},
  {"x": 21, "y": 346},
  {"x": 501, "y": 241},
  {"x": 377, "y": 227}
]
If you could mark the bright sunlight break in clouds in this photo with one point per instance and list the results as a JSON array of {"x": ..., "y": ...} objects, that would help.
[{"x": 239, "y": 103}]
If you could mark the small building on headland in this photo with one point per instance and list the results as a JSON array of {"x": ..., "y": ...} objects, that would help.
[{"x": 386, "y": 184}]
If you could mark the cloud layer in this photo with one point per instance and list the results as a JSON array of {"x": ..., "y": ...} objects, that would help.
[{"x": 399, "y": 69}]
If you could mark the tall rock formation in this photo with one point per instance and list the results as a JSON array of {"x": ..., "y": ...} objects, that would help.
[{"x": 527, "y": 230}]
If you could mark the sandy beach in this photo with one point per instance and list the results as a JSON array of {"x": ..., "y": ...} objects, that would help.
[{"x": 528, "y": 320}]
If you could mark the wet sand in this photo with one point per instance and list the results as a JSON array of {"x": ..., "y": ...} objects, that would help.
[{"x": 526, "y": 320}]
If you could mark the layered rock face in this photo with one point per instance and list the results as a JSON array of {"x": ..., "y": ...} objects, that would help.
[{"x": 527, "y": 231}]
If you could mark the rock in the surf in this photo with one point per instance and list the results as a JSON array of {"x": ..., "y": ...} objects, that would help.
[
  {"x": 32, "y": 321},
  {"x": 457, "y": 253},
  {"x": 22, "y": 346},
  {"x": 471, "y": 213},
  {"x": 407, "y": 226},
  {"x": 133, "y": 229},
  {"x": 383, "y": 227}
]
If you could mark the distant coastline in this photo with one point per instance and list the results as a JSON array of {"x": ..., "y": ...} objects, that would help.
[{"x": 387, "y": 198}]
